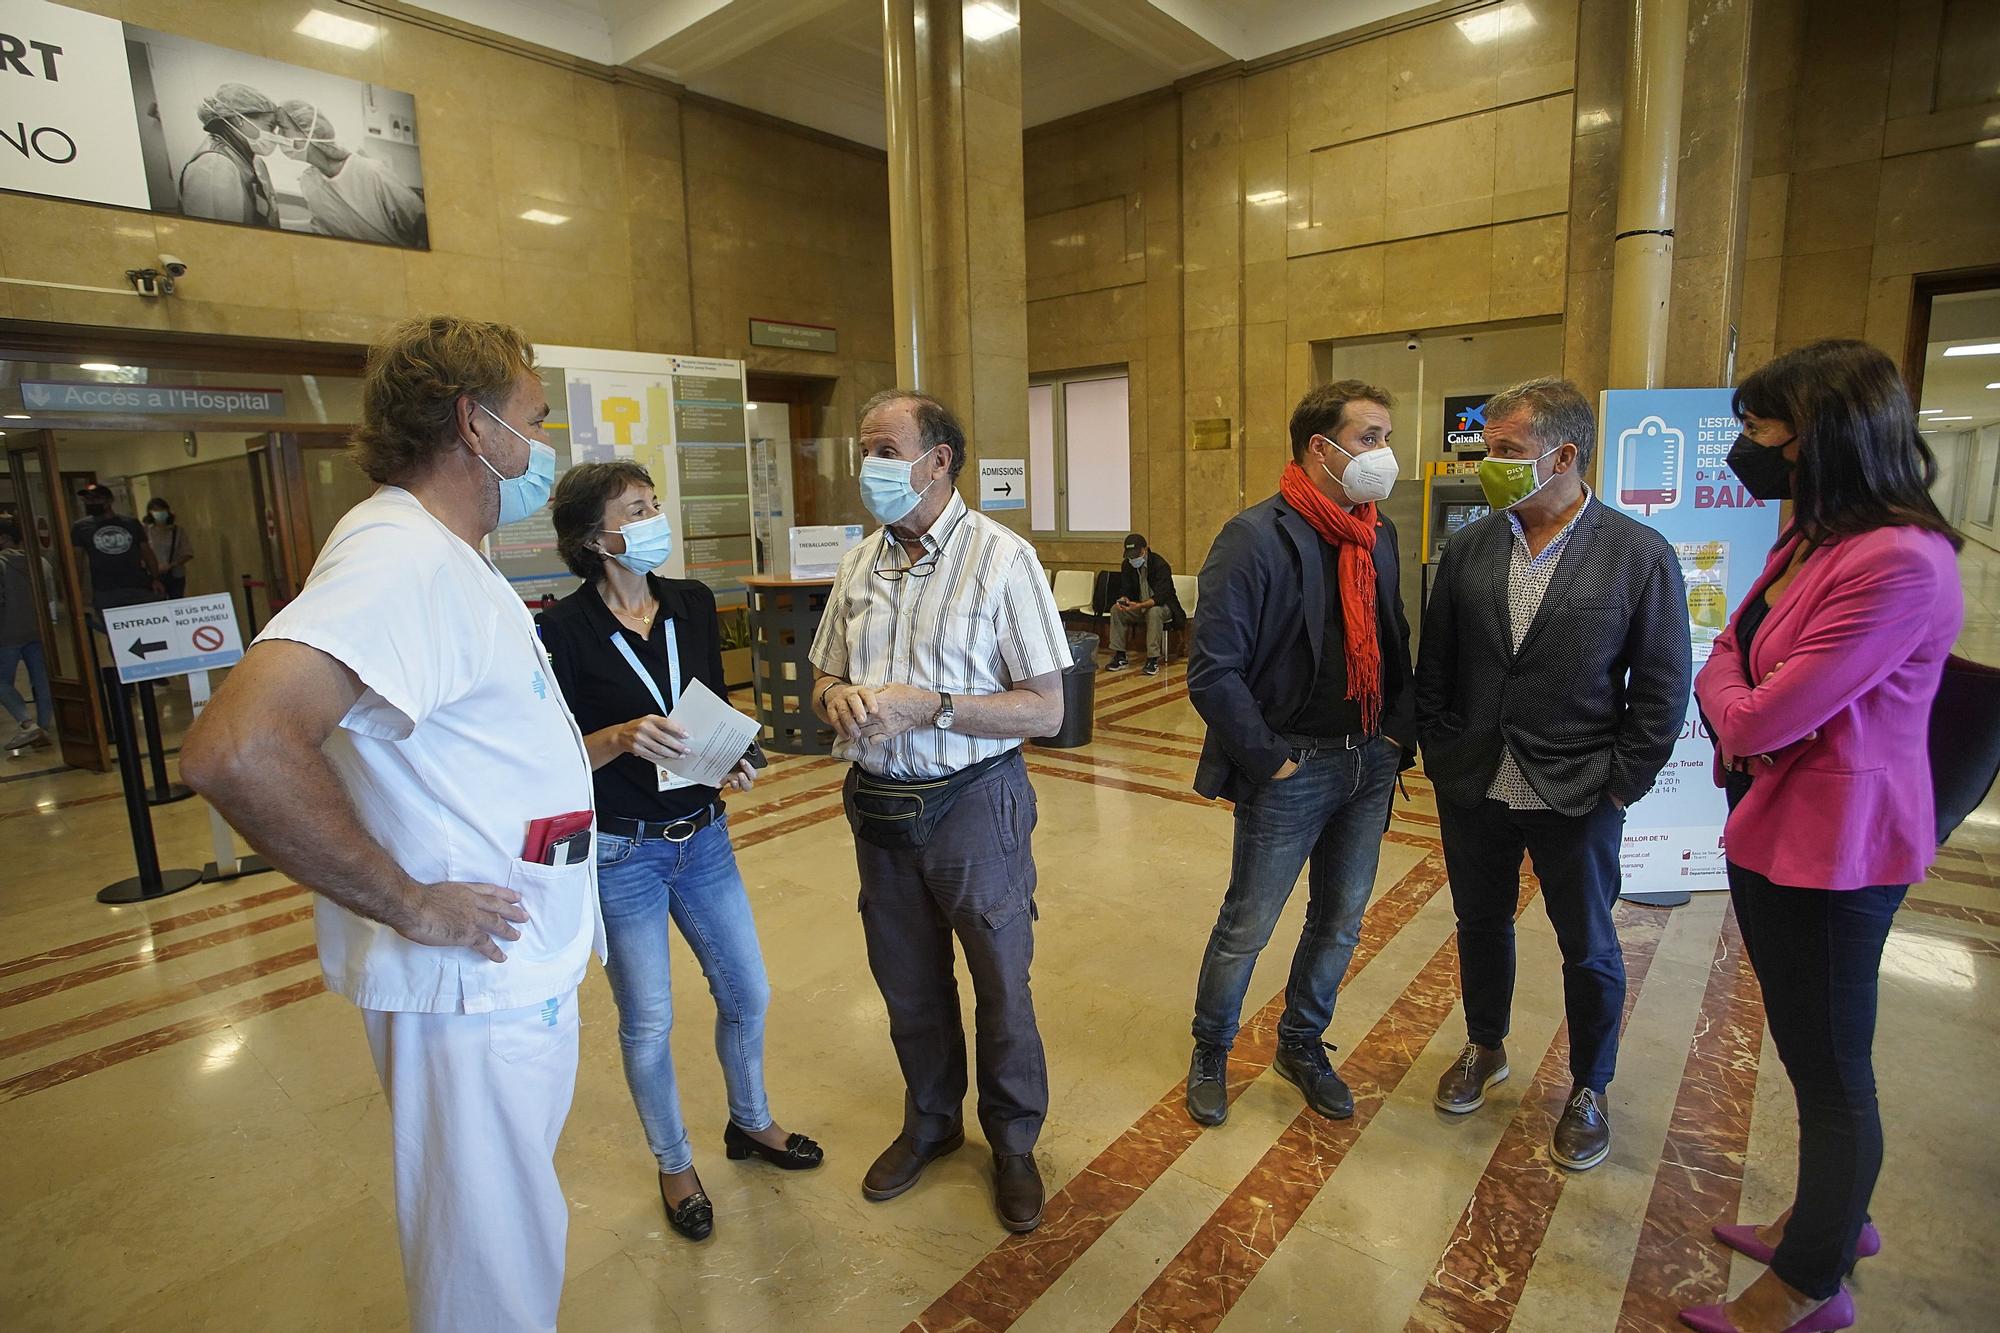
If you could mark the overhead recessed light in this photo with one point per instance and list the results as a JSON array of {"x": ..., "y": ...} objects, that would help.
[
  {"x": 1973, "y": 349},
  {"x": 1936, "y": 420},
  {"x": 104, "y": 366},
  {"x": 547, "y": 219},
  {"x": 340, "y": 31},
  {"x": 1494, "y": 24},
  {"x": 18, "y": 416},
  {"x": 1929, "y": 411},
  {"x": 1994, "y": 385},
  {"x": 984, "y": 20},
  {"x": 1266, "y": 197}
]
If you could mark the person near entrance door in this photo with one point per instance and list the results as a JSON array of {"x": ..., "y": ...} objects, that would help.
[
  {"x": 1146, "y": 595},
  {"x": 118, "y": 558},
  {"x": 1550, "y": 691},
  {"x": 172, "y": 551},
  {"x": 1301, "y": 668},
  {"x": 393, "y": 741},
  {"x": 21, "y": 642}
]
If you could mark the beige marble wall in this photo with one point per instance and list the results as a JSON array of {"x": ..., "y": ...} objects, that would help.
[
  {"x": 1872, "y": 164},
  {"x": 784, "y": 225}
]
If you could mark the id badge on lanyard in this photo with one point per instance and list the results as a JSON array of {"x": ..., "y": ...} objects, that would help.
[{"x": 668, "y": 781}]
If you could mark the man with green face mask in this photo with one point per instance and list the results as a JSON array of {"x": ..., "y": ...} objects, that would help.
[{"x": 1552, "y": 680}]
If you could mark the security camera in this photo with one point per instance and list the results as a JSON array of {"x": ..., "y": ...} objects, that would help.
[
  {"x": 1413, "y": 343},
  {"x": 174, "y": 266}
]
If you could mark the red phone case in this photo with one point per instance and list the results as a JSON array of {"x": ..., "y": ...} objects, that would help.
[{"x": 544, "y": 834}]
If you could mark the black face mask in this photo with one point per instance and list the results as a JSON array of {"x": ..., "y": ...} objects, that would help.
[{"x": 1764, "y": 472}]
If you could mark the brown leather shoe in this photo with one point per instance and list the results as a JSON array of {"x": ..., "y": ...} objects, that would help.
[
  {"x": 1463, "y": 1087},
  {"x": 902, "y": 1162},
  {"x": 1017, "y": 1190},
  {"x": 1583, "y": 1135}
]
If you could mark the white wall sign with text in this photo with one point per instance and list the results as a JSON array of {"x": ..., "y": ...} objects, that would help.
[
  {"x": 1003, "y": 483},
  {"x": 159, "y": 639}
]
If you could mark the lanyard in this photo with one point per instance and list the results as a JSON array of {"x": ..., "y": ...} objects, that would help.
[{"x": 645, "y": 676}]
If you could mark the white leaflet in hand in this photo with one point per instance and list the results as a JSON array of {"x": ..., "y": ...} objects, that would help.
[{"x": 717, "y": 736}]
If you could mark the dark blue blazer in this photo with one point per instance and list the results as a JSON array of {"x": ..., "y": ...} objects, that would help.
[
  {"x": 1595, "y": 698},
  {"x": 1258, "y": 632}
]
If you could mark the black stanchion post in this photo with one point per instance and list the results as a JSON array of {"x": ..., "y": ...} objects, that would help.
[
  {"x": 151, "y": 881},
  {"x": 249, "y": 607},
  {"x": 164, "y": 792}
]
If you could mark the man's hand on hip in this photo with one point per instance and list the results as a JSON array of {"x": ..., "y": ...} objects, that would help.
[{"x": 469, "y": 916}]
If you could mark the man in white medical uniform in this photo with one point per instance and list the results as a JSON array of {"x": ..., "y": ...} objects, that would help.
[
  {"x": 348, "y": 195},
  {"x": 391, "y": 741}
]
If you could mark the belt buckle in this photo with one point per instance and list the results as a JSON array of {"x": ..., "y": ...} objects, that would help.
[
  {"x": 688, "y": 824},
  {"x": 1348, "y": 741}
]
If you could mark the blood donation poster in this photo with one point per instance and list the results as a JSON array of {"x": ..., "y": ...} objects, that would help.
[{"x": 1664, "y": 463}]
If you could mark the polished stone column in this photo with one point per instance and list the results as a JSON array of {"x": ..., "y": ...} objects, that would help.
[
  {"x": 961, "y": 272},
  {"x": 1648, "y": 176}
]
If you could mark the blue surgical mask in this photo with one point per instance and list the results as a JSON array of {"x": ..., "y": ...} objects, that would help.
[
  {"x": 648, "y": 543},
  {"x": 523, "y": 495},
  {"x": 1137, "y": 562},
  {"x": 886, "y": 488}
]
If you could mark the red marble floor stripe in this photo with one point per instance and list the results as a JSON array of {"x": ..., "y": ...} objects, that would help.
[
  {"x": 53, "y": 806},
  {"x": 118, "y": 1052},
  {"x": 1201, "y": 1284},
  {"x": 1485, "y": 1265},
  {"x": 1102, "y": 736},
  {"x": 1700, "y": 1177},
  {"x": 1181, "y": 794},
  {"x": 1953, "y": 911},
  {"x": 163, "y": 999},
  {"x": 999, "y": 1289},
  {"x": 152, "y": 929},
  {"x": 1416, "y": 816},
  {"x": 1159, "y": 696},
  {"x": 47, "y": 986},
  {"x": 763, "y": 832},
  {"x": 1149, "y": 733}
]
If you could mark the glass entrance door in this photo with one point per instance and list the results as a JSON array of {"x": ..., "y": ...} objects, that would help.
[{"x": 52, "y": 569}]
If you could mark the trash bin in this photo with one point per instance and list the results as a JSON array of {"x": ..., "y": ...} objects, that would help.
[{"x": 1079, "y": 680}]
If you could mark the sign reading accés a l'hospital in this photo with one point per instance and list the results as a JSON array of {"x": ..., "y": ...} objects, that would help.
[{"x": 202, "y": 400}]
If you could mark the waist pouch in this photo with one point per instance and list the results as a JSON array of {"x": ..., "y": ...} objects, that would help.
[{"x": 896, "y": 815}]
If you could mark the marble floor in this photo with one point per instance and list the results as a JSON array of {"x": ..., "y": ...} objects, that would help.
[{"x": 191, "y": 1135}]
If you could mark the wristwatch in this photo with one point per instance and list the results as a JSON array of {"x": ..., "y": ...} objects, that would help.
[{"x": 944, "y": 717}]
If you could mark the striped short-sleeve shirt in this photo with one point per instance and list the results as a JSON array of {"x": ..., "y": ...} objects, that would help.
[{"x": 980, "y": 622}]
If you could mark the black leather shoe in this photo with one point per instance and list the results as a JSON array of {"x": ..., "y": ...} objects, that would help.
[
  {"x": 1017, "y": 1191},
  {"x": 799, "y": 1153},
  {"x": 1305, "y": 1066},
  {"x": 1583, "y": 1135},
  {"x": 903, "y": 1162},
  {"x": 1208, "y": 1084},
  {"x": 693, "y": 1217},
  {"x": 1462, "y": 1088}
]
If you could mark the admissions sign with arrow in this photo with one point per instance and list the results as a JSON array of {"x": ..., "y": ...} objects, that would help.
[
  {"x": 161, "y": 639},
  {"x": 1003, "y": 483}
]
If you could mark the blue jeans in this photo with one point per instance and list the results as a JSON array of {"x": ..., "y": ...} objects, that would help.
[
  {"x": 696, "y": 883},
  {"x": 12, "y": 656},
  {"x": 1332, "y": 812}
]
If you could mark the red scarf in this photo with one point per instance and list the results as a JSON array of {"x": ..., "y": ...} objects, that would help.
[{"x": 1353, "y": 538}]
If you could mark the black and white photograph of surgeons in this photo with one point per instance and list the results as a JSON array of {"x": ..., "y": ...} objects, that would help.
[{"x": 233, "y": 137}]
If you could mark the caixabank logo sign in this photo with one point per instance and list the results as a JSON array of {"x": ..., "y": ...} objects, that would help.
[{"x": 1465, "y": 422}]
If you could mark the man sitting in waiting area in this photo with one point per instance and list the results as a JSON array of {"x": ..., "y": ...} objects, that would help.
[{"x": 1145, "y": 586}]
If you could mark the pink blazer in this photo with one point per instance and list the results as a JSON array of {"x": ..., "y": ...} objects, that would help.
[{"x": 1863, "y": 633}]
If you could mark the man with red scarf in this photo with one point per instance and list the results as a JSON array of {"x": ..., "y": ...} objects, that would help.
[{"x": 1300, "y": 666}]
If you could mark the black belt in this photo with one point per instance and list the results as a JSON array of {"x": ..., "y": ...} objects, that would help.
[
  {"x": 644, "y": 830},
  {"x": 1308, "y": 746}
]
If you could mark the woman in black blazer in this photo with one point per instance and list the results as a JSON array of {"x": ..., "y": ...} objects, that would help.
[{"x": 621, "y": 648}]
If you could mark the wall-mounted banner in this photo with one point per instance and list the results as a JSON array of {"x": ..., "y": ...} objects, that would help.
[
  {"x": 1664, "y": 454},
  {"x": 110, "y": 113},
  {"x": 1465, "y": 421}
]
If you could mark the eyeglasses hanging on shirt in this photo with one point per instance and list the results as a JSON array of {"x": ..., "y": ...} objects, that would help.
[{"x": 916, "y": 569}]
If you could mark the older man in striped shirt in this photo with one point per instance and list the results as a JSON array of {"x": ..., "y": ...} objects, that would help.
[{"x": 940, "y": 651}]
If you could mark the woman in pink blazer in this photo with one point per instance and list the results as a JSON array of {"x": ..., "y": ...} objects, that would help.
[{"x": 1819, "y": 697}]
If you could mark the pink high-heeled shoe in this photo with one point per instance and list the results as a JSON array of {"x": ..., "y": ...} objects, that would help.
[
  {"x": 1837, "y": 1313},
  {"x": 1743, "y": 1240}
]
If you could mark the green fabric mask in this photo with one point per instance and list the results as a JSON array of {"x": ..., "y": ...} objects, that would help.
[{"x": 1509, "y": 481}]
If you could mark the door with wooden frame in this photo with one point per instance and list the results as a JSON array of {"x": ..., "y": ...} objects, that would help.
[{"x": 45, "y": 516}]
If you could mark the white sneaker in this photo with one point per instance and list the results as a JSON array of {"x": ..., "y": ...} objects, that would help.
[{"x": 23, "y": 738}]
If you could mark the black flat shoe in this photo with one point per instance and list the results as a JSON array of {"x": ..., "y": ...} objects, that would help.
[
  {"x": 694, "y": 1218},
  {"x": 799, "y": 1153}
]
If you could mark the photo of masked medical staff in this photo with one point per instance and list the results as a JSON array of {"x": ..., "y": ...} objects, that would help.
[{"x": 238, "y": 138}]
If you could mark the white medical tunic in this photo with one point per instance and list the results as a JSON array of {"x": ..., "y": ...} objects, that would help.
[
  {"x": 363, "y": 202},
  {"x": 459, "y": 741}
]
